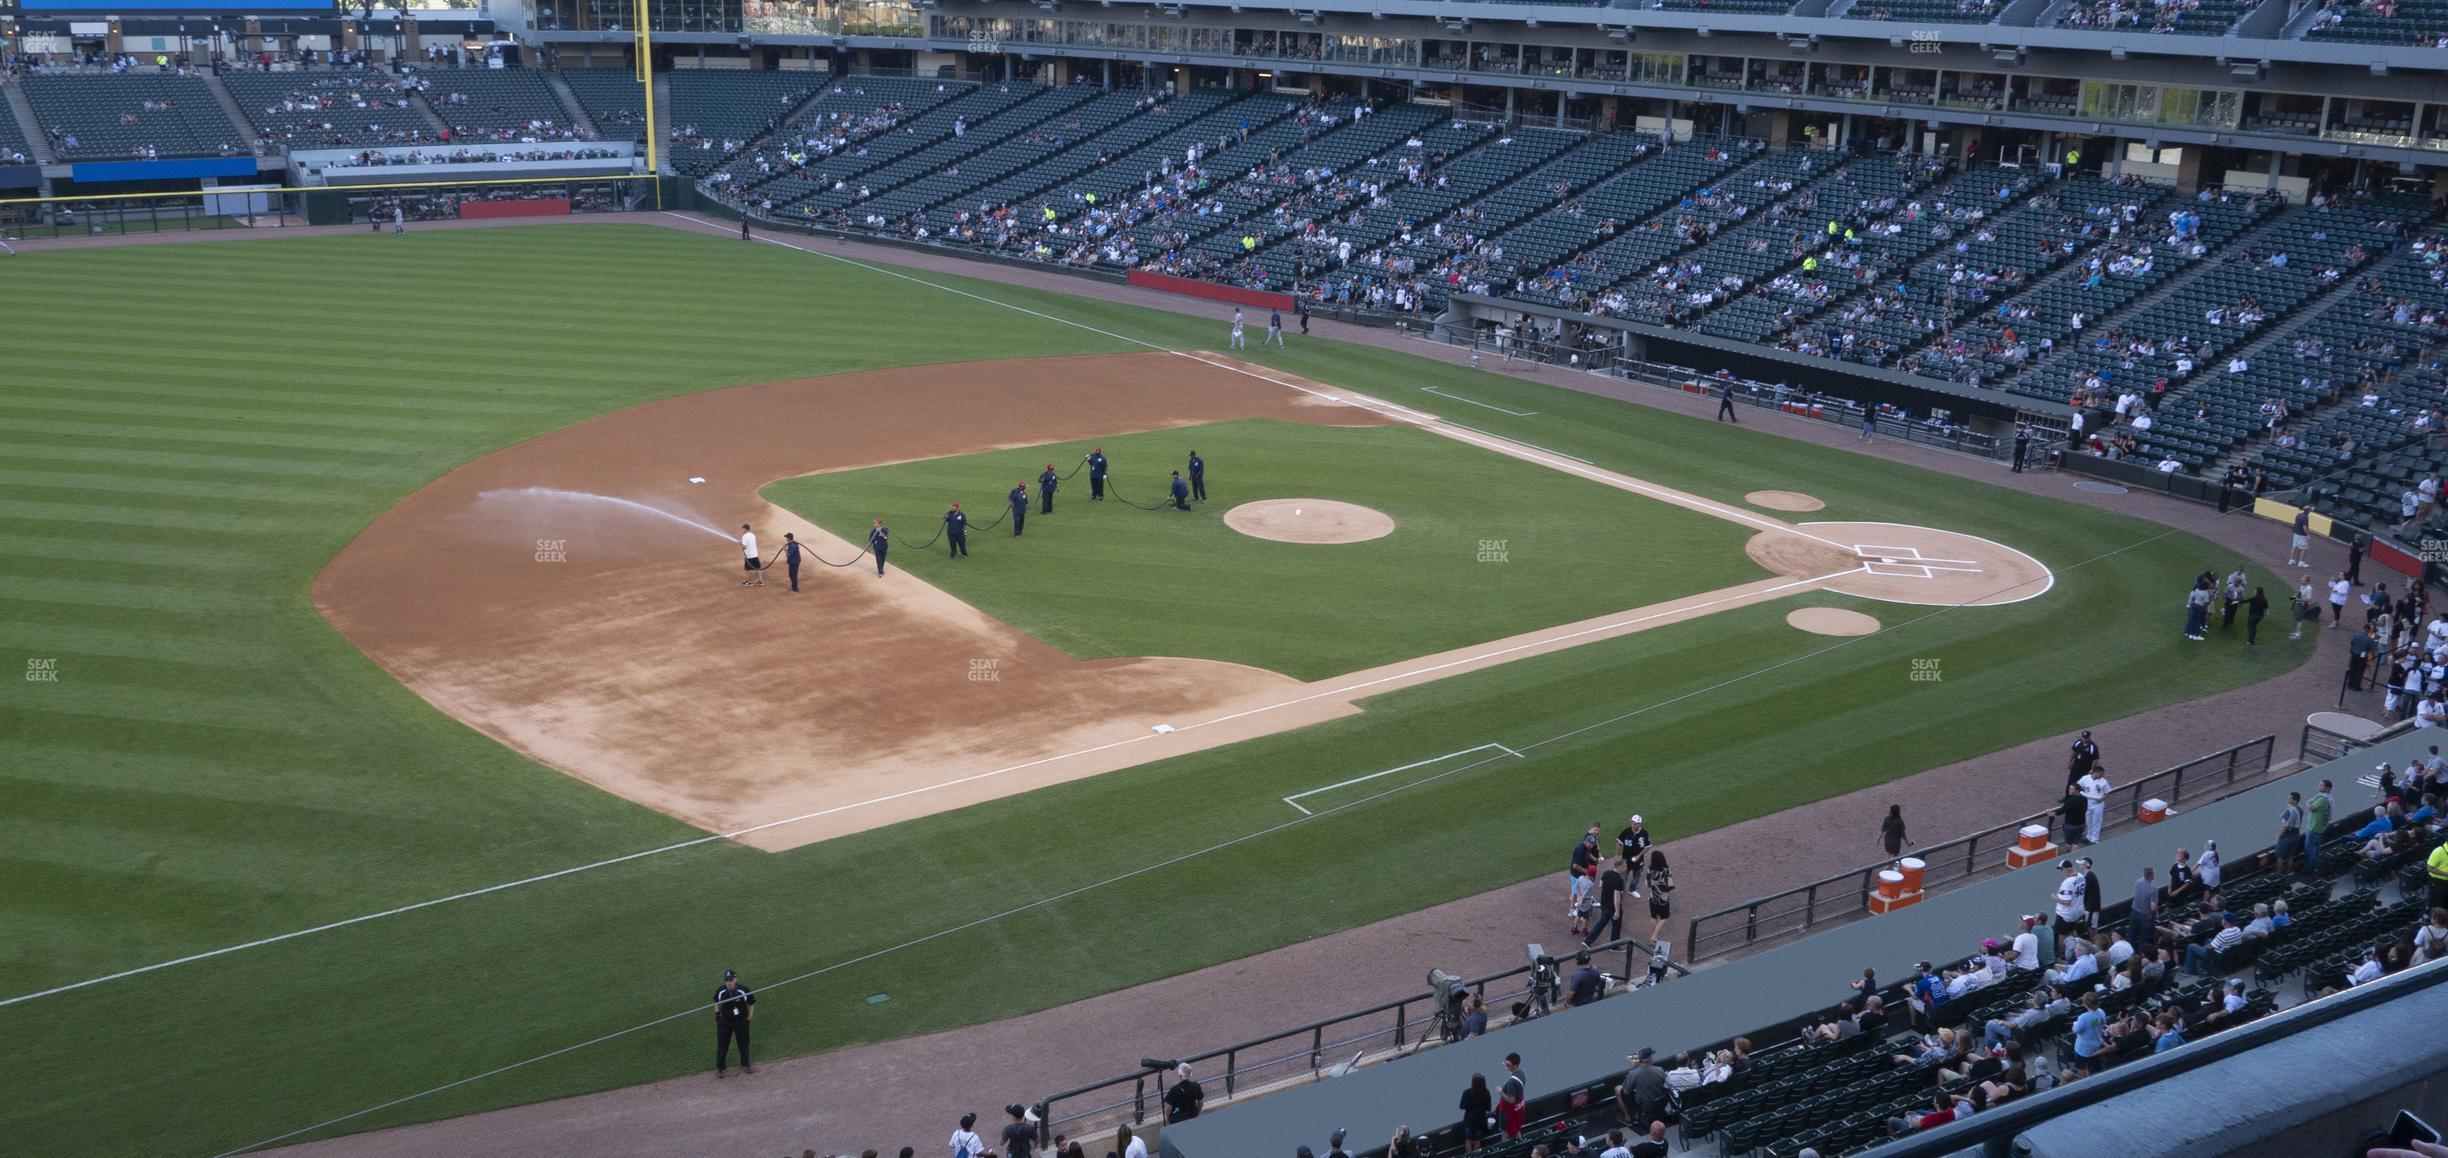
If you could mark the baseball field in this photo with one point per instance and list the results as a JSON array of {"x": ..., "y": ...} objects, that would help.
[{"x": 397, "y": 740}]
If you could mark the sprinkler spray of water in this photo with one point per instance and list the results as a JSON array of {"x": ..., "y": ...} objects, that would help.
[{"x": 557, "y": 495}]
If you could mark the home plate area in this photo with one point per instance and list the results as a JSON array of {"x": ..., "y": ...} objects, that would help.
[
  {"x": 1899, "y": 563},
  {"x": 1909, "y": 562}
]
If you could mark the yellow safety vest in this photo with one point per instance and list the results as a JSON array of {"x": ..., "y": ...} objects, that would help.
[
  {"x": 1809, "y": 264},
  {"x": 2439, "y": 863},
  {"x": 1249, "y": 243},
  {"x": 1049, "y": 212},
  {"x": 2073, "y": 156}
]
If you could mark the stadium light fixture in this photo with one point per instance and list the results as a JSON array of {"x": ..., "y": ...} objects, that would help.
[
  {"x": 1530, "y": 23},
  {"x": 2116, "y": 54},
  {"x": 1307, "y": 17},
  {"x": 1619, "y": 34}
]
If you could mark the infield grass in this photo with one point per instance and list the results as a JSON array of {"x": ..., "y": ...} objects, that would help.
[
  {"x": 1484, "y": 546},
  {"x": 188, "y": 432}
]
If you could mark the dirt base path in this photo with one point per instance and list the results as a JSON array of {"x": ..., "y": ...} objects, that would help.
[{"x": 578, "y": 597}]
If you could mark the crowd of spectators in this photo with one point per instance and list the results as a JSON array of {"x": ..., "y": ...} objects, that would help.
[
  {"x": 465, "y": 156},
  {"x": 344, "y": 108}
]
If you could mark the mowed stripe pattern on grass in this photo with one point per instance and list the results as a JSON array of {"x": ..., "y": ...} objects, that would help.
[{"x": 215, "y": 765}]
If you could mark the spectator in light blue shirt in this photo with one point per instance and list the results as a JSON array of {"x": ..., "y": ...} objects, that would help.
[
  {"x": 2171, "y": 1035},
  {"x": 2089, "y": 1027}
]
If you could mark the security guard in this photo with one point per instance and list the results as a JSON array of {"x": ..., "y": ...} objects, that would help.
[
  {"x": 790, "y": 557},
  {"x": 1096, "y": 475},
  {"x": 1018, "y": 498},
  {"x": 1181, "y": 493},
  {"x": 1198, "y": 477},
  {"x": 734, "y": 1008},
  {"x": 1045, "y": 490},
  {"x": 956, "y": 531},
  {"x": 879, "y": 540}
]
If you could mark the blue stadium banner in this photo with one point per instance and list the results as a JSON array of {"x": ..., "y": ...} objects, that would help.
[
  {"x": 84, "y": 171},
  {"x": 14, "y": 177}
]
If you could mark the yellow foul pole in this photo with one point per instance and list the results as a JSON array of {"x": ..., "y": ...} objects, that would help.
[{"x": 645, "y": 76}]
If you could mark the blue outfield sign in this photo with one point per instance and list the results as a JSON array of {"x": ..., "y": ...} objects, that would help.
[{"x": 175, "y": 170}]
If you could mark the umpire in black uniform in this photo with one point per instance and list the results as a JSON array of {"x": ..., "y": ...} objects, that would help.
[
  {"x": 956, "y": 531},
  {"x": 879, "y": 541},
  {"x": 734, "y": 1008},
  {"x": 1018, "y": 498},
  {"x": 1198, "y": 477},
  {"x": 1045, "y": 490},
  {"x": 1096, "y": 475},
  {"x": 1181, "y": 493},
  {"x": 790, "y": 557}
]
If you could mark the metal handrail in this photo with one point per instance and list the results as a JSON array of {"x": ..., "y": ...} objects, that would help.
[
  {"x": 1313, "y": 1047},
  {"x": 1846, "y": 895}
]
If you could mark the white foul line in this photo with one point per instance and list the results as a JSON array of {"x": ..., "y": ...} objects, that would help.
[
  {"x": 1481, "y": 405},
  {"x": 1295, "y": 799}
]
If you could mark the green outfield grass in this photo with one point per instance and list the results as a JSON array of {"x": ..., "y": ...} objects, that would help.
[
  {"x": 1102, "y": 579},
  {"x": 188, "y": 432}
]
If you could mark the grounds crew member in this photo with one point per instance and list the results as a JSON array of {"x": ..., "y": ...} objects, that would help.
[
  {"x": 1096, "y": 475},
  {"x": 1725, "y": 403},
  {"x": 1181, "y": 493},
  {"x": 1045, "y": 490},
  {"x": 790, "y": 557},
  {"x": 879, "y": 540},
  {"x": 734, "y": 1008},
  {"x": 754, "y": 562},
  {"x": 956, "y": 531},
  {"x": 1018, "y": 498},
  {"x": 1198, "y": 477}
]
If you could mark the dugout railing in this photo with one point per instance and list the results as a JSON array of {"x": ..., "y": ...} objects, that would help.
[
  {"x": 1316, "y": 1050},
  {"x": 1796, "y": 912}
]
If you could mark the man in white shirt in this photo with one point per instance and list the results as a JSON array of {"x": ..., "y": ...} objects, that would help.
[
  {"x": 754, "y": 562},
  {"x": 2069, "y": 898},
  {"x": 2206, "y": 870},
  {"x": 2365, "y": 972},
  {"x": 965, "y": 1142},
  {"x": 2026, "y": 950},
  {"x": 2094, "y": 789}
]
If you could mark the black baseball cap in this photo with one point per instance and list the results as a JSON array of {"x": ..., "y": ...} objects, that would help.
[{"x": 728, "y": 975}]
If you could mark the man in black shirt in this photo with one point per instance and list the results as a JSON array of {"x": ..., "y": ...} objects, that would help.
[
  {"x": 1020, "y": 1137},
  {"x": 1587, "y": 986},
  {"x": 1634, "y": 841},
  {"x": 1184, "y": 1101},
  {"x": 734, "y": 1008},
  {"x": 1608, "y": 925}
]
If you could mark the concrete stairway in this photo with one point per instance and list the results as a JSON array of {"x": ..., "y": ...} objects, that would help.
[{"x": 37, "y": 145}]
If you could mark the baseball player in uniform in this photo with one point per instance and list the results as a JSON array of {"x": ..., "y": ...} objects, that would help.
[
  {"x": 879, "y": 541},
  {"x": 1274, "y": 328},
  {"x": 1018, "y": 498},
  {"x": 956, "y": 531},
  {"x": 1238, "y": 342}
]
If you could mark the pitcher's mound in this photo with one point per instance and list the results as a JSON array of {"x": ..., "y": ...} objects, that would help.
[
  {"x": 1832, "y": 621},
  {"x": 1783, "y": 501},
  {"x": 1309, "y": 521}
]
